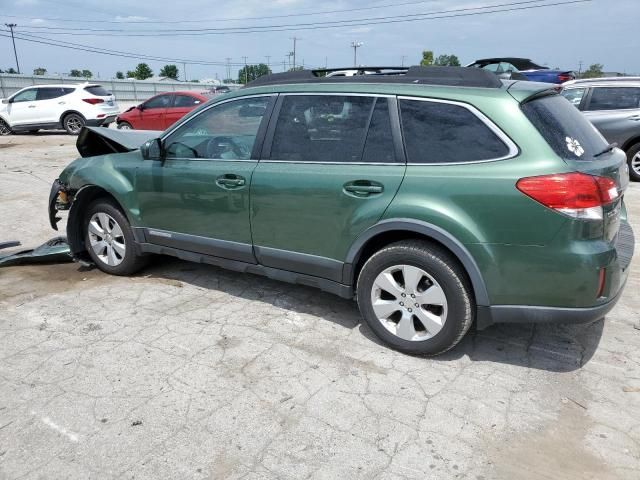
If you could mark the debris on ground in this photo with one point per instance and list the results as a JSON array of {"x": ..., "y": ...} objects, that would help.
[{"x": 55, "y": 250}]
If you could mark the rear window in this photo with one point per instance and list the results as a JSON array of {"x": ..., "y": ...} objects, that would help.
[
  {"x": 566, "y": 129},
  {"x": 98, "y": 91}
]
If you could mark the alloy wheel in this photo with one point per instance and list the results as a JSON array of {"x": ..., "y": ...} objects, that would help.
[
  {"x": 124, "y": 126},
  {"x": 4, "y": 128},
  {"x": 107, "y": 239},
  {"x": 409, "y": 302},
  {"x": 635, "y": 163},
  {"x": 74, "y": 124}
]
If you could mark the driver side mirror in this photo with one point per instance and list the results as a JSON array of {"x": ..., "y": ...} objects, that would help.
[
  {"x": 152, "y": 150},
  {"x": 140, "y": 107}
]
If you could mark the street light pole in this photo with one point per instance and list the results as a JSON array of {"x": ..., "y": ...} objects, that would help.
[
  {"x": 355, "y": 46},
  {"x": 245, "y": 70},
  {"x": 11, "y": 26}
]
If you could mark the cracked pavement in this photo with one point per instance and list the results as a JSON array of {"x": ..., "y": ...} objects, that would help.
[{"x": 189, "y": 371}]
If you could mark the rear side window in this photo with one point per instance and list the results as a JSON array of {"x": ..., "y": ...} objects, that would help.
[
  {"x": 437, "y": 132},
  {"x": 48, "y": 93},
  {"x": 379, "y": 147},
  {"x": 614, "y": 98},
  {"x": 565, "y": 129},
  {"x": 183, "y": 101},
  {"x": 161, "y": 101},
  {"x": 322, "y": 128},
  {"x": 574, "y": 95},
  {"x": 98, "y": 91}
]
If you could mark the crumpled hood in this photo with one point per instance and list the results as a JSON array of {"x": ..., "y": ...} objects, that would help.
[{"x": 94, "y": 141}]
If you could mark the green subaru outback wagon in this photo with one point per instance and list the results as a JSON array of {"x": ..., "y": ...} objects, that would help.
[{"x": 437, "y": 197}]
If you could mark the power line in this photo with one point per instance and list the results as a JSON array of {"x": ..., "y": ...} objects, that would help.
[
  {"x": 453, "y": 13},
  {"x": 228, "y": 19}
]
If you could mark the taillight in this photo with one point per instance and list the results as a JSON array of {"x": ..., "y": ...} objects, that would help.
[
  {"x": 93, "y": 101},
  {"x": 575, "y": 194},
  {"x": 565, "y": 77}
]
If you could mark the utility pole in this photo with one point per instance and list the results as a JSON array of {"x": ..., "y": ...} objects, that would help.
[
  {"x": 245, "y": 71},
  {"x": 268, "y": 57},
  {"x": 15, "y": 52},
  {"x": 355, "y": 46},
  {"x": 402, "y": 62},
  {"x": 295, "y": 39},
  {"x": 184, "y": 66},
  {"x": 580, "y": 69},
  {"x": 228, "y": 59}
]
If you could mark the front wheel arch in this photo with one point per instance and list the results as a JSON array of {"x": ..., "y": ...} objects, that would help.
[{"x": 82, "y": 199}]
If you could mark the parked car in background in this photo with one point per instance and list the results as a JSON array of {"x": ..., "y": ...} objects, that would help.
[
  {"x": 613, "y": 106},
  {"x": 161, "y": 111},
  {"x": 505, "y": 67},
  {"x": 437, "y": 197},
  {"x": 50, "y": 107},
  {"x": 219, "y": 90}
]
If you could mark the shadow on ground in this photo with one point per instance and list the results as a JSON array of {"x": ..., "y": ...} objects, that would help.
[{"x": 551, "y": 347}]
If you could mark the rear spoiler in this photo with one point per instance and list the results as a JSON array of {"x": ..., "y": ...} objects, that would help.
[
  {"x": 94, "y": 141},
  {"x": 526, "y": 91}
]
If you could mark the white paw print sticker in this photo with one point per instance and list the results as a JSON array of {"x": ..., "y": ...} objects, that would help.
[{"x": 574, "y": 147}]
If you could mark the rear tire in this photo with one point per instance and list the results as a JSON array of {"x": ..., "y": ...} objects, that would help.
[
  {"x": 5, "y": 129},
  {"x": 416, "y": 298},
  {"x": 73, "y": 123},
  {"x": 633, "y": 160},
  {"x": 109, "y": 239},
  {"x": 125, "y": 126}
]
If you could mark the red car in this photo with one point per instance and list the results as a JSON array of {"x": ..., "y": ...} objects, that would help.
[{"x": 161, "y": 111}]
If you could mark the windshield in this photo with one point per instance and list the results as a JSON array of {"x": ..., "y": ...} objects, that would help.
[{"x": 564, "y": 127}]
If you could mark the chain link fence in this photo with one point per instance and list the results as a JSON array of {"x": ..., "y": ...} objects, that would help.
[{"x": 128, "y": 90}]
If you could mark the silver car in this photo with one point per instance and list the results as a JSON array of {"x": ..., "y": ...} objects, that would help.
[{"x": 613, "y": 106}]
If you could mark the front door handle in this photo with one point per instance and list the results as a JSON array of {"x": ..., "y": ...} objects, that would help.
[
  {"x": 363, "y": 188},
  {"x": 32, "y": 106},
  {"x": 635, "y": 118},
  {"x": 230, "y": 181}
]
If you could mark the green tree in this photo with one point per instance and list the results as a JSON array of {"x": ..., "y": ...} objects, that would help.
[
  {"x": 169, "y": 71},
  {"x": 447, "y": 61},
  {"x": 251, "y": 72},
  {"x": 87, "y": 74},
  {"x": 427, "y": 58},
  {"x": 75, "y": 73},
  {"x": 11, "y": 70},
  {"x": 142, "y": 72},
  {"x": 39, "y": 71},
  {"x": 119, "y": 75},
  {"x": 594, "y": 71}
]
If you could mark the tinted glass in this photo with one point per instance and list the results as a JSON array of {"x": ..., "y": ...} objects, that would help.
[
  {"x": 614, "y": 98},
  {"x": 227, "y": 131},
  {"x": 26, "y": 96},
  {"x": 161, "y": 101},
  {"x": 48, "y": 93},
  {"x": 321, "y": 128},
  {"x": 98, "y": 90},
  {"x": 379, "y": 145},
  {"x": 574, "y": 95},
  {"x": 183, "y": 101},
  {"x": 564, "y": 128},
  {"x": 444, "y": 133}
]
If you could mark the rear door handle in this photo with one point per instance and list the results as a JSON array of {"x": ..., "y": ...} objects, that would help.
[
  {"x": 635, "y": 118},
  {"x": 363, "y": 188},
  {"x": 230, "y": 181},
  {"x": 32, "y": 106}
]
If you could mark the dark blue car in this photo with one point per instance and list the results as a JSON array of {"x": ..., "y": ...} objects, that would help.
[{"x": 509, "y": 67}]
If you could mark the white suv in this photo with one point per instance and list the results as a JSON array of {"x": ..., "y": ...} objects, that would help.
[{"x": 54, "y": 106}]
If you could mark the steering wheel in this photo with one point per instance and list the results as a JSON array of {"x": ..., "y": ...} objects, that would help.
[{"x": 217, "y": 146}]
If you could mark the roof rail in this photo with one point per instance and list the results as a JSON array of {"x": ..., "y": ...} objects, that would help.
[{"x": 446, "y": 76}]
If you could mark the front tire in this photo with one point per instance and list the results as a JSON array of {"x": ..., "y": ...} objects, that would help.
[
  {"x": 633, "y": 159},
  {"x": 5, "y": 129},
  {"x": 125, "y": 126},
  {"x": 416, "y": 298},
  {"x": 109, "y": 239},
  {"x": 73, "y": 123}
]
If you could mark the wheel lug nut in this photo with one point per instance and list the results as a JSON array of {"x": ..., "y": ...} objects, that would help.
[
  {"x": 402, "y": 304},
  {"x": 413, "y": 296},
  {"x": 403, "y": 294},
  {"x": 410, "y": 310},
  {"x": 417, "y": 305}
]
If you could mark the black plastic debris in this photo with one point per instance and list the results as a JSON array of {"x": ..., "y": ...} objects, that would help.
[{"x": 55, "y": 250}]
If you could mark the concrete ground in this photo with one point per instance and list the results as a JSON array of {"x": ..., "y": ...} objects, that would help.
[{"x": 189, "y": 371}]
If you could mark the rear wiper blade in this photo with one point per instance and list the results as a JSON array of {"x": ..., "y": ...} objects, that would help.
[{"x": 607, "y": 149}]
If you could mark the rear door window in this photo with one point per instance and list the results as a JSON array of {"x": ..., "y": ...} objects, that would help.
[
  {"x": 436, "y": 132},
  {"x": 49, "y": 93},
  {"x": 98, "y": 91},
  {"x": 322, "y": 128},
  {"x": 614, "y": 98},
  {"x": 566, "y": 130},
  {"x": 184, "y": 101}
]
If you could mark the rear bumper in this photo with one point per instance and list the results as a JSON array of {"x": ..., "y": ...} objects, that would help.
[{"x": 98, "y": 122}]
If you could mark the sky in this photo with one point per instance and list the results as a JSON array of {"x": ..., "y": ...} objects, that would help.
[{"x": 597, "y": 31}]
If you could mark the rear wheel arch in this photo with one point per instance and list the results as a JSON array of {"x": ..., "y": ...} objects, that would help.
[
  {"x": 394, "y": 230},
  {"x": 82, "y": 199},
  {"x": 68, "y": 112}
]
